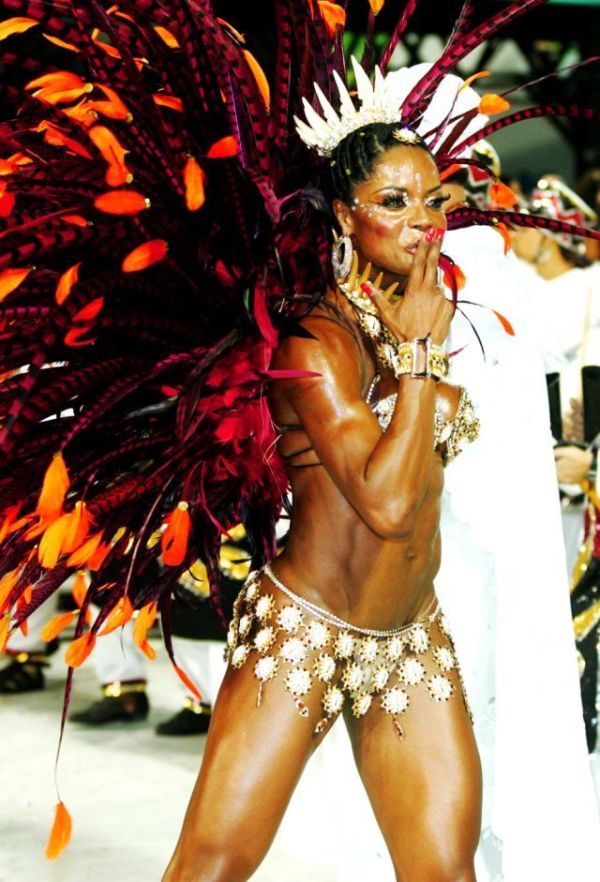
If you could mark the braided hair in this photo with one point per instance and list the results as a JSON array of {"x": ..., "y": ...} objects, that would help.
[{"x": 353, "y": 159}]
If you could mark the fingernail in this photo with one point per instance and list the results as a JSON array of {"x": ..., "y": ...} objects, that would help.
[
  {"x": 430, "y": 233},
  {"x": 366, "y": 288},
  {"x": 440, "y": 233}
]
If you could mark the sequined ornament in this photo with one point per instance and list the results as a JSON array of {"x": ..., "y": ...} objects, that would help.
[
  {"x": 239, "y": 655},
  {"x": 293, "y": 651},
  {"x": 333, "y": 700},
  {"x": 353, "y": 677},
  {"x": 298, "y": 681},
  {"x": 361, "y": 704},
  {"x": 380, "y": 677},
  {"x": 440, "y": 688},
  {"x": 264, "y": 607},
  {"x": 359, "y": 663},
  {"x": 264, "y": 639},
  {"x": 411, "y": 672},
  {"x": 419, "y": 640},
  {"x": 318, "y": 635},
  {"x": 443, "y": 657},
  {"x": 368, "y": 650},
  {"x": 290, "y": 618},
  {"x": 344, "y": 645},
  {"x": 325, "y": 667},
  {"x": 266, "y": 668},
  {"x": 395, "y": 701}
]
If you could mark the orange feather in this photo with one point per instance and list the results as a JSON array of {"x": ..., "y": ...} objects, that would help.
[
  {"x": 16, "y": 25},
  {"x": 60, "y": 81},
  {"x": 96, "y": 561},
  {"x": 10, "y": 279},
  {"x": 7, "y": 583},
  {"x": 54, "y": 488},
  {"x": 7, "y": 203},
  {"x": 64, "y": 535},
  {"x": 79, "y": 650},
  {"x": 76, "y": 219},
  {"x": 60, "y": 834},
  {"x": 188, "y": 682},
  {"x": 62, "y": 43},
  {"x": 144, "y": 621},
  {"x": 168, "y": 101},
  {"x": 4, "y": 632},
  {"x": 79, "y": 589},
  {"x": 174, "y": 540},
  {"x": 113, "y": 153},
  {"x": 53, "y": 96},
  {"x": 10, "y": 516},
  {"x": 121, "y": 202},
  {"x": 90, "y": 311},
  {"x": 28, "y": 594},
  {"x": 110, "y": 50},
  {"x": 85, "y": 552},
  {"x": 193, "y": 179},
  {"x": 145, "y": 255},
  {"x": 224, "y": 148},
  {"x": 120, "y": 615},
  {"x": 78, "y": 527},
  {"x": 503, "y": 230},
  {"x": 333, "y": 16},
  {"x": 51, "y": 543},
  {"x": 473, "y": 77},
  {"x": 118, "y": 109},
  {"x": 504, "y": 322},
  {"x": 501, "y": 195},
  {"x": 167, "y": 37},
  {"x": 74, "y": 337},
  {"x": 66, "y": 282},
  {"x": 57, "y": 625},
  {"x": 260, "y": 77},
  {"x": 492, "y": 103},
  {"x": 56, "y": 137},
  {"x": 148, "y": 650}
]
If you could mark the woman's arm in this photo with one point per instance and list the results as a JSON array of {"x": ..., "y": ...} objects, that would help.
[{"x": 385, "y": 477}]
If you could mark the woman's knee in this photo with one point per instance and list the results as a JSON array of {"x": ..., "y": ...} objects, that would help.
[
  {"x": 212, "y": 864},
  {"x": 440, "y": 868}
]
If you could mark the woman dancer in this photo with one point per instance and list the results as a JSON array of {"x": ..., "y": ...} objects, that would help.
[
  {"x": 163, "y": 229},
  {"x": 381, "y": 489}
]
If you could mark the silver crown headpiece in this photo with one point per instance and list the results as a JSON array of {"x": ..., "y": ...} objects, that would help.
[{"x": 377, "y": 104}]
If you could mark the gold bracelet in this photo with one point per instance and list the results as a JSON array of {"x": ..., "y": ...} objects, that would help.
[{"x": 420, "y": 358}]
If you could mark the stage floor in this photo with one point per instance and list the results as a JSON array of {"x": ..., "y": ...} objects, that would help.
[{"x": 126, "y": 788}]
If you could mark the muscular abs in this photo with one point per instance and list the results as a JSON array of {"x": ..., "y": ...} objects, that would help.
[{"x": 334, "y": 558}]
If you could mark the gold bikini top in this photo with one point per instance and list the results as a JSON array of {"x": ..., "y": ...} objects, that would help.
[{"x": 450, "y": 435}]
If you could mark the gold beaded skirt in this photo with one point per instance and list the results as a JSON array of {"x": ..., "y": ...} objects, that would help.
[{"x": 283, "y": 635}]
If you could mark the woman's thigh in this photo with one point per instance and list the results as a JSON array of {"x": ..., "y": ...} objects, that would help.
[
  {"x": 425, "y": 787},
  {"x": 253, "y": 759}
]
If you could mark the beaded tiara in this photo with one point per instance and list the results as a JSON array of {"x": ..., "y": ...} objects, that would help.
[{"x": 378, "y": 103}]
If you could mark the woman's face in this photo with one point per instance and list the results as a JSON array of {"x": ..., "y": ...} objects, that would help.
[
  {"x": 527, "y": 243},
  {"x": 393, "y": 208}
]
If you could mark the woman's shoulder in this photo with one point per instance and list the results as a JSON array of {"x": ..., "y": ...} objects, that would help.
[{"x": 323, "y": 329}]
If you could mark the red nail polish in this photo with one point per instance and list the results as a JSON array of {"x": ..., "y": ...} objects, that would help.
[
  {"x": 366, "y": 288},
  {"x": 430, "y": 233},
  {"x": 440, "y": 233}
]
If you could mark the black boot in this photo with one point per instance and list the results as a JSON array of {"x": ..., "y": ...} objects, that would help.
[
  {"x": 122, "y": 703},
  {"x": 192, "y": 719},
  {"x": 25, "y": 673}
]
